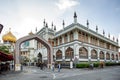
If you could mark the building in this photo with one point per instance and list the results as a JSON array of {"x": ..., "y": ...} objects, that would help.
[
  {"x": 9, "y": 40},
  {"x": 77, "y": 42},
  {"x": 27, "y": 51}
]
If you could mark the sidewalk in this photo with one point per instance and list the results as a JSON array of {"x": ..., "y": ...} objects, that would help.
[{"x": 35, "y": 73}]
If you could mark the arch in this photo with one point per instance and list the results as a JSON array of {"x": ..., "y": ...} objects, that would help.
[
  {"x": 93, "y": 54},
  {"x": 69, "y": 53},
  {"x": 101, "y": 55},
  {"x": 83, "y": 53},
  {"x": 27, "y": 38},
  {"x": 112, "y": 56},
  {"x": 107, "y": 56},
  {"x": 59, "y": 54},
  {"x": 116, "y": 57}
]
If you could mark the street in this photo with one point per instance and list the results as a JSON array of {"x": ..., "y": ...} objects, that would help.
[{"x": 34, "y": 73}]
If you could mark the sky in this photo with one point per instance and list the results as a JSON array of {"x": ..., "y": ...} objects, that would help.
[{"x": 24, "y": 16}]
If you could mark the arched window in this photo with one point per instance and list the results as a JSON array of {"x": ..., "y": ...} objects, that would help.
[
  {"x": 93, "y": 54},
  {"x": 112, "y": 56},
  {"x": 69, "y": 53},
  {"x": 107, "y": 56},
  {"x": 59, "y": 54},
  {"x": 101, "y": 55},
  {"x": 83, "y": 53}
]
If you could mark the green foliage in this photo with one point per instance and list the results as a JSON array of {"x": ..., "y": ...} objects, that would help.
[
  {"x": 111, "y": 63},
  {"x": 96, "y": 64},
  {"x": 4, "y": 49},
  {"x": 82, "y": 65}
]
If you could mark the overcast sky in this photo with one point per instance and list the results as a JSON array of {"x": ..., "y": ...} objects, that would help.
[{"x": 23, "y": 16}]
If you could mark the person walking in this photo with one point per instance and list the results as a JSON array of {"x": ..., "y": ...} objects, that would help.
[
  {"x": 59, "y": 67},
  {"x": 53, "y": 67}
]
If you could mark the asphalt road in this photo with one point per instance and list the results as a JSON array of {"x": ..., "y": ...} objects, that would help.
[
  {"x": 112, "y": 73},
  {"x": 34, "y": 73}
]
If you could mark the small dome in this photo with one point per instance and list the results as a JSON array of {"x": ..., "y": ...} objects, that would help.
[
  {"x": 31, "y": 33},
  {"x": 9, "y": 37}
]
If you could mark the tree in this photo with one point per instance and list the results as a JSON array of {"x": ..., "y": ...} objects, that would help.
[{"x": 4, "y": 49}]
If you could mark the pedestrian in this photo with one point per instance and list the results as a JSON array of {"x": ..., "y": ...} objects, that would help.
[
  {"x": 53, "y": 67},
  {"x": 41, "y": 66},
  {"x": 91, "y": 65},
  {"x": 59, "y": 67}
]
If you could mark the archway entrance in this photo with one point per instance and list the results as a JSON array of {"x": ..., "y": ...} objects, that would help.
[
  {"x": 27, "y": 38},
  {"x": 39, "y": 57}
]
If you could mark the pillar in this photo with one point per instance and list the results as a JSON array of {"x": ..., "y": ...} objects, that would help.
[
  {"x": 76, "y": 51},
  {"x": 89, "y": 54},
  {"x": 62, "y": 39},
  {"x": 105, "y": 56},
  {"x": 63, "y": 53},
  {"x": 98, "y": 55},
  {"x": 75, "y": 35},
  {"x": 58, "y": 41},
  {"x": 68, "y": 37}
]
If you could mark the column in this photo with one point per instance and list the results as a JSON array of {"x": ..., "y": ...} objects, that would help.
[
  {"x": 98, "y": 55},
  {"x": 105, "y": 56},
  {"x": 110, "y": 47},
  {"x": 75, "y": 35},
  {"x": 63, "y": 53},
  {"x": 68, "y": 37},
  {"x": 76, "y": 51},
  {"x": 89, "y": 54},
  {"x": 89, "y": 39},
  {"x": 58, "y": 41},
  {"x": 98, "y": 42},
  {"x": 55, "y": 42},
  {"x": 62, "y": 39},
  {"x": 110, "y": 57}
]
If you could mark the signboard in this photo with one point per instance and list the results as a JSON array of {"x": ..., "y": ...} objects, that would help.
[{"x": 17, "y": 67}]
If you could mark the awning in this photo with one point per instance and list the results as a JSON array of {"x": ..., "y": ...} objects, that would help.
[{"x": 5, "y": 57}]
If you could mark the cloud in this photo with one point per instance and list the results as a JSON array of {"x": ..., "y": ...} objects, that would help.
[{"x": 65, "y": 4}]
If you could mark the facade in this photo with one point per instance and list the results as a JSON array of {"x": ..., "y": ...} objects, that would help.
[
  {"x": 28, "y": 51},
  {"x": 9, "y": 40},
  {"x": 78, "y": 42},
  {"x": 27, "y": 48}
]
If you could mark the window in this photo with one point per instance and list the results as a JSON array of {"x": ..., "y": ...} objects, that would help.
[
  {"x": 69, "y": 53},
  {"x": 93, "y": 54},
  {"x": 107, "y": 56},
  {"x": 83, "y": 53},
  {"x": 59, "y": 54},
  {"x": 101, "y": 55}
]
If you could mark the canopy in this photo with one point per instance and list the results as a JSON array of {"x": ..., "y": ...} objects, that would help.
[{"x": 5, "y": 57}]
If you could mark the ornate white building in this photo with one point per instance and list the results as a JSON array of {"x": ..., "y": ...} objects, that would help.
[{"x": 77, "y": 41}]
